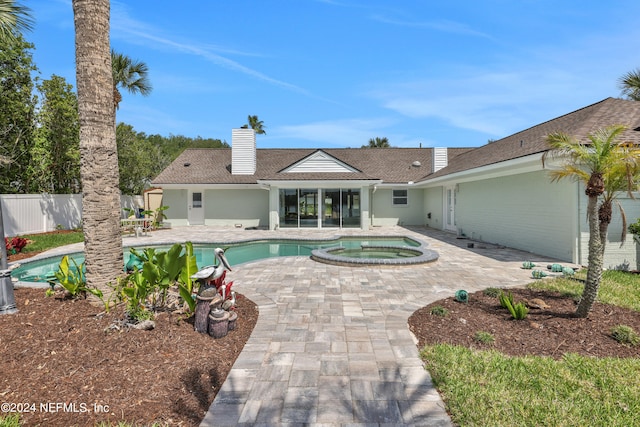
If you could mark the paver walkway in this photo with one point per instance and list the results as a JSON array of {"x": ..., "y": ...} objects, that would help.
[{"x": 331, "y": 346}]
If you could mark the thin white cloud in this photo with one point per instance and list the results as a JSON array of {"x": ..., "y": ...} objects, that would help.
[
  {"x": 442, "y": 25},
  {"x": 135, "y": 31}
]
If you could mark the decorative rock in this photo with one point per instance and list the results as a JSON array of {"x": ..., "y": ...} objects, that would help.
[
  {"x": 555, "y": 268},
  {"x": 568, "y": 272},
  {"x": 462, "y": 296},
  {"x": 219, "y": 326},
  {"x": 537, "y": 303},
  {"x": 538, "y": 274},
  {"x": 145, "y": 325},
  {"x": 233, "y": 316},
  {"x": 528, "y": 265}
]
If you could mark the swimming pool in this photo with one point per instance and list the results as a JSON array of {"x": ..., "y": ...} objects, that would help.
[{"x": 237, "y": 253}]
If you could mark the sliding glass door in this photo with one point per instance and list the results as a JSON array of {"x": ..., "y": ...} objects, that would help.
[{"x": 313, "y": 208}]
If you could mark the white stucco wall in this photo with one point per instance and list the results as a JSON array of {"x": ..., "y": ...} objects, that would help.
[
  {"x": 433, "y": 204},
  {"x": 177, "y": 202},
  {"x": 523, "y": 211},
  {"x": 383, "y": 213},
  {"x": 245, "y": 207}
]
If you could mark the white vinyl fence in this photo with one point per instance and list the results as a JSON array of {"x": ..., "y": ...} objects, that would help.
[{"x": 39, "y": 213}]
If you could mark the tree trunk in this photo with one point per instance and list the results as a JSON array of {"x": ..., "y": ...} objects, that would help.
[
  {"x": 98, "y": 150},
  {"x": 596, "y": 259}
]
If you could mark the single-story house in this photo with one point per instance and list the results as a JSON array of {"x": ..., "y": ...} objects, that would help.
[{"x": 498, "y": 193}]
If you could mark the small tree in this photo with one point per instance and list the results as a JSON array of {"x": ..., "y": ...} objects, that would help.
[
  {"x": 378, "y": 142},
  {"x": 606, "y": 167}
]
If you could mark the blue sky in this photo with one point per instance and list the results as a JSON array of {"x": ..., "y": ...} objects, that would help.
[{"x": 335, "y": 73}]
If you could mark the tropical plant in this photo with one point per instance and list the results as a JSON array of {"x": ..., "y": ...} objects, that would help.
[
  {"x": 128, "y": 74},
  {"x": 15, "y": 245},
  {"x": 606, "y": 167},
  {"x": 378, "y": 142},
  {"x": 255, "y": 124},
  {"x": 185, "y": 282},
  {"x": 14, "y": 18},
  {"x": 146, "y": 287},
  {"x": 630, "y": 84},
  {"x": 72, "y": 279},
  {"x": 98, "y": 149}
]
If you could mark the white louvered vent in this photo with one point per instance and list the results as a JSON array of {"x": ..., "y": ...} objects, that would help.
[
  {"x": 319, "y": 162},
  {"x": 243, "y": 152},
  {"x": 440, "y": 159}
]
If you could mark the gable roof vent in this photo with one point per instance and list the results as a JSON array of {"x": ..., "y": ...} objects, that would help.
[{"x": 440, "y": 159}]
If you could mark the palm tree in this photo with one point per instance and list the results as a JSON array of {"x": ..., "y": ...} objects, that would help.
[
  {"x": 256, "y": 125},
  {"x": 378, "y": 142},
  {"x": 606, "y": 167},
  {"x": 14, "y": 17},
  {"x": 98, "y": 150},
  {"x": 128, "y": 74},
  {"x": 630, "y": 84}
]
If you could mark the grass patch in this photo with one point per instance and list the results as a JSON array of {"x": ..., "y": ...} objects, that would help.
[
  {"x": 625, "y": 335},
  {"x": 43, "y": 242},
  {"x": 484, "y": 337},
  {"x": 616, "y": 287},
  {"x": 489, "y": 388},
  {"x": 439, "y": 310},
  {"x": 10, "y": 421}
]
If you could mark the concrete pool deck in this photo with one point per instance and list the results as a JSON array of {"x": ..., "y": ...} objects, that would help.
[{"x": 331, "y": 346}]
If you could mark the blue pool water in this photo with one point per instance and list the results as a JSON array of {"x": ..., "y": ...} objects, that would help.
[{"x": 238, "y": 253}]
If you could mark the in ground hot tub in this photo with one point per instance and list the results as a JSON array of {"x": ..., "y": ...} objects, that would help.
[{"x": 374, "y": 255}]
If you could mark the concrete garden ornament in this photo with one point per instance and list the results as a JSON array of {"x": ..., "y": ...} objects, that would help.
[{"x": 215, "y": 302}]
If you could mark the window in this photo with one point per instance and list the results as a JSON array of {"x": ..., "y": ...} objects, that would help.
[{"x": 400, "y": 198}]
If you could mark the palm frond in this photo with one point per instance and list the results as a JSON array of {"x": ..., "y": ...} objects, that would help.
[{"x": 14, "y": 18}]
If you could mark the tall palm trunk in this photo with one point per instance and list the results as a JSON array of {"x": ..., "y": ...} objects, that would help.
[
  {"x": 98, "y": 149},
  {"x": 596, "y": 259}
]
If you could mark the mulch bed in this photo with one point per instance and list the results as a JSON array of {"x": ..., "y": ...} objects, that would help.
[
  {"x": 56, "y": 355},
  {"x": 545, "y": 332}
]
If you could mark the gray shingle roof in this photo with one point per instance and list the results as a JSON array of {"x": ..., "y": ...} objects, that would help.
[
  {"x": 213, "y": 165},
  {"x": 578, "y": 124},
  {"x": 394, "y": 165}
]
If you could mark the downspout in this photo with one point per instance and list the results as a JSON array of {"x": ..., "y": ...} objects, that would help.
[
  {"x": 372, "y": 216},
  {"x": 578, "y": 227}
]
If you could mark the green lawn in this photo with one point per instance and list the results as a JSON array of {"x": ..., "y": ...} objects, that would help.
[
  {"x": 486, "y": 388},
  {"x": 43, "y": 242}
]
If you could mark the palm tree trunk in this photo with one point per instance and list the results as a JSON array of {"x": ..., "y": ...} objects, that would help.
[
  {"x": 98, "y": 150},
  {"x": 596, "y": 259}
]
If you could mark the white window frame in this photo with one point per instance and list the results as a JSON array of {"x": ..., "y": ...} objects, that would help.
[{"x": 395, "y": 199}]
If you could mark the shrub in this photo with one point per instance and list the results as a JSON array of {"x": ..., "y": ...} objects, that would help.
[
  {"x": 15, "y": 245},
  {"x": 439, "y": 310},
  {"x": 635, "y": 228},
  {"x": 492, "y": 292},
  {"x": 625, "y": 335},
  {"x": 484, "y": 337}
]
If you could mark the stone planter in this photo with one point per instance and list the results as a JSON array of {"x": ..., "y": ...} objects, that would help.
[
  {"x": 219, "y": 326},
  {"x": 233, "y": 316},
  {"x": 203, "y": 307}
]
